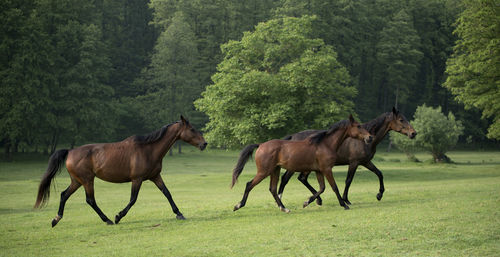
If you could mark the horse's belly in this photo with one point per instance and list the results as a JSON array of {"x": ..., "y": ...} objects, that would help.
[{"x": 113, "y": 176}]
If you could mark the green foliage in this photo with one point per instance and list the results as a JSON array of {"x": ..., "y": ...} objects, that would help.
[
  {"x": 473, "y": 70},
  {"x": 276, "y": 80},
  {"x": 399, "y": 57},
  {"x": 170, "y": 81},
  {"x": 436, "y": 133}
]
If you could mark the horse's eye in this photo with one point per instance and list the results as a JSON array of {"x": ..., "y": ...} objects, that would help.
[{"x": 359, "y": 126}]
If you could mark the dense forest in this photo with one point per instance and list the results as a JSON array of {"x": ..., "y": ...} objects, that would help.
[{"x": 81, "y": 71}]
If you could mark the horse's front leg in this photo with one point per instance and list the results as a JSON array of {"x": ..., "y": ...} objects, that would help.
[
  {"x": 136, "y": 186},
  {"x": 329, "y": 176},
  {"x": 161, "y": 185},
  {"x": 377, "y": 172},
  {"x": 348, "y": 180}
]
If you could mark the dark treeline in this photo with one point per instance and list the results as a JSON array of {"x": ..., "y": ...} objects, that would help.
[{"x": 83, "y": 71}]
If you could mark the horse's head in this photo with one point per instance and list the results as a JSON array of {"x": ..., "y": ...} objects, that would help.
[
  {"x": 191, "y": 136},
  {"x": 400, "y": 124},
  {"x": 355, "y": 130}
]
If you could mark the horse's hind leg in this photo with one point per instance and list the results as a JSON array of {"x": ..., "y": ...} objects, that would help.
[
  {"x": 251, "y": 184},
  {"x": 284, "y": 180},
  {"x": 89, "y": 193},
  {"x": 273, "y": 186},
  {"x": 161, "y": 185},
  {"x": 321, "y": 182},
  {"x": 303, "y": 178},
  {"x": 64, "y": 197},
  {"x": 136, "y": 185}
]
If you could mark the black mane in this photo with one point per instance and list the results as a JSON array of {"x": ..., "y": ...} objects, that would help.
[
  {"x": 374, "y": 125},
  {"x": 317, "y": 138},
  {"x": 153, "y": 136}
]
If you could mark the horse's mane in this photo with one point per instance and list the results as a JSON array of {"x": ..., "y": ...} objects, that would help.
[
  {"x": 153, "y": 136},
  {"x": 317, "y": 138},
  {"x": 374, "y": 125}
]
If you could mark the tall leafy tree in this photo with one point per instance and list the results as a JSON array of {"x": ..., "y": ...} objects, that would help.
[
  {"x": 171, "y": 77},
  {"x": 473, "y": 69},
  {"x": 275, "y": 80},
  {"x": 399, "y": 56}
]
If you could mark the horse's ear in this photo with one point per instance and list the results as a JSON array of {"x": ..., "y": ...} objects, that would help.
[
  {"x": 351, "y": 119},
  {"x": 396, "y": 112},
  {"x": 184, "y": 121}
]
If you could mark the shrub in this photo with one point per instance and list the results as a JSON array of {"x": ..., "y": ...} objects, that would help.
[{"x": 436, "y": 133}]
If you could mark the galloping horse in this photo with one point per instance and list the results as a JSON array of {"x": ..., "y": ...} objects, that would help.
[
  {"x": 135, "y": 159},
  {"x": 353, "y": 152},
  {"x": 318, "y": 153}
]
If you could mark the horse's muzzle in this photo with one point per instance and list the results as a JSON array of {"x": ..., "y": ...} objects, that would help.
[
  {"x": 203, "y": 146},
  {"x": 412, "y": 135},
  {"x": 368, "y": 139}
]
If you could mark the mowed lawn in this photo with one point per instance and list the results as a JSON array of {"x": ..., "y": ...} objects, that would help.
[{"x": 427, "y": 210}]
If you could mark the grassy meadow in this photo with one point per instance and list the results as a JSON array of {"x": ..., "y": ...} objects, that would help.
[{"x": 427, "y": 210}]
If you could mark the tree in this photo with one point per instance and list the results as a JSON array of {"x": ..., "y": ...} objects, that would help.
[
  {"x": 436, "y": 133},
  {"x": 473, "y": 69},
  {"x": 275, "y": 80},
  {"x": 171, "y": 78},
  {"x": 398, "y": 53}
]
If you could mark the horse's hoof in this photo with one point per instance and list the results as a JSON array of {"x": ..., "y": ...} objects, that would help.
[
  {"x": 379, "y": 196},
  {"x": 109, "y": 222},
  {"x": 319, "y": 201},
  {"x": 117, "y": 219},
  {"x": 56, "y": 220},
  {"x": 237, "y": 207},
  {"x": 346, "y": 207},
  {"x": 306, "y": 203},
  {"x": 180, "y": 217},
  {"x": 285, "y": 210}
]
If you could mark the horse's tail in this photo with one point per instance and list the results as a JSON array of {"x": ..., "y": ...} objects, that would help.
[
  {"x": 244, "y": 156},
  {"x": 55, "y": 163}
]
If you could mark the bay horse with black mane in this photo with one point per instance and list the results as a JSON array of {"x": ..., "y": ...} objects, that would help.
[
  {"x": 135, "y": 159},
  {"x": 318, "y": 153},
  {"x": 353, "y": 152}
]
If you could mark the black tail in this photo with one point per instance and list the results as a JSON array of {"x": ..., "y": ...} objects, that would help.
[
  {"x": 55, "y": 163},
  {"x": 244, "y": 156}
]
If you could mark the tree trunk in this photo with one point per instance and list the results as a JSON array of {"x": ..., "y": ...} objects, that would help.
[{"x": 441, "y": 158}]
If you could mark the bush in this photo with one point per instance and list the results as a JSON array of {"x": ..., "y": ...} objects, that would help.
[{"x": 436, "y": 133}]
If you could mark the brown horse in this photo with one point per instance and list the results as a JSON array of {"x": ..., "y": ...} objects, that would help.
[
  {"x": 353, "y": 152},
  {"x": 135, "y": 159},
  {"x": 317, "y": 153}
]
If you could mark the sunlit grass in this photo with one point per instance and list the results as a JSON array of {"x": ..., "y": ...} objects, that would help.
[{"x": 427, "y": 209}]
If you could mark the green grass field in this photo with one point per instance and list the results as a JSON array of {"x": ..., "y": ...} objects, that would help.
[{"x": 427, "y": 210}]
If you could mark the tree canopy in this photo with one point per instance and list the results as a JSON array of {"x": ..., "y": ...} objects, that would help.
[
  {"x": 474, "y": 68},
  {"x": 275, "y": 80},
  {"x": 76, "y": 72}
]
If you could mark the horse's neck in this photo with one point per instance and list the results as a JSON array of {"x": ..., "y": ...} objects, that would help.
[
  {"x": 162, "y": 146},
  {"x": 334, "y": 140},
  {"x": 381, "y": 132}
]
